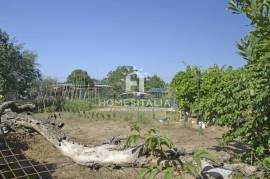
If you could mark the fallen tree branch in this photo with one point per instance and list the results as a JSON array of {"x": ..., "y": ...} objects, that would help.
[
  {"x": 108, "y": 154},
  {"x": 16, "y": 107}
]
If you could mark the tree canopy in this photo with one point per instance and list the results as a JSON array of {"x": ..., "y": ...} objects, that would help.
[
  {"x": 238, "y": 98},
  {"x": 185, "y": 88},
  {"x": 154, "y": 82},
  {"x": 252, "y": 94},
  {"x": 18, "y": 68},
  {"x": 80, "y": 77},
  {"x": 116, "y": 78}
]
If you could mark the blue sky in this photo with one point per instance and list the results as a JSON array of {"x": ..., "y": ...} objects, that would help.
[{"x": 99, "y": 35}]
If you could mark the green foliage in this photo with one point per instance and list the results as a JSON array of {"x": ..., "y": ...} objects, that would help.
[
  {"x": 266, "y": 165},
  {"x": 239, "y": 99},
  {"x": 153, "y": 82},
  {"x": 195, "y": 167},
  {"x": 185, "y": 87},
  {"x": 153, "y": 143},
  {"x": 80, "y": 77},
  {"x": 217, "y": 88},
  {"x": 251, "y": 123},
  {"x": 18, "y": 68},
  {"x": 153, "y": 171},
  {"x": 135, "y": 127},
  {"x": 76, "y": 106},
  {"x": 117, "y": 77}
]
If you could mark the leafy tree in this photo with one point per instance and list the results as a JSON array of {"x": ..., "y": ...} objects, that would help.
[
  {"x": 240, "y": 98},
  {"x": 154, "y": 82},
  {"x": 250, "y": 117},
  {"x": 117, "y": 77},
  {"x": 18, "y": 68},
  {"x": 80, "y": 77},
  {"x": 217, "y": 88},
  {"x": 185, "y": 87}
]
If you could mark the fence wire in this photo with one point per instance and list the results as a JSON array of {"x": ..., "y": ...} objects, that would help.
[{"x": 14, "y": 164}]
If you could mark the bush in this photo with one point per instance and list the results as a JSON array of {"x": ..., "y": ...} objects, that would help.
[{"x": 239, "y": 99}]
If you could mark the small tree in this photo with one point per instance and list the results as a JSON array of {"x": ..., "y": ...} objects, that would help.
[
  {"x": 154, "y": 82},
  {"x": 217, "y": 91},
  {"x": 185, "y": 88},
  {"x": 18, "y": 68},
  {"x": 251, "y": 96},
  {"x": 80, "y": 77},
  {"x": 116, "y": 78}
]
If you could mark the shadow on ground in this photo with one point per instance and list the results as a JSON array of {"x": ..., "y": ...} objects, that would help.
[{"x": 14, "y": 163}]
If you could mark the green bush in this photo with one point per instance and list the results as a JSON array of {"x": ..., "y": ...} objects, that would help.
[{"x": 239, "y": 99}]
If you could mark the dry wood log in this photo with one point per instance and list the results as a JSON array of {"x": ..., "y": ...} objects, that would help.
[{"x": 108, "y": 154}]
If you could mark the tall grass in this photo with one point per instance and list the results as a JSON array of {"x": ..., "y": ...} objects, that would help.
[
  {"x": 74, "y": 106},
  {"x": 77, "y": 105}
]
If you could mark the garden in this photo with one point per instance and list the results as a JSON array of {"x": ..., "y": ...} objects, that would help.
[{"x": 209, "y": 122}]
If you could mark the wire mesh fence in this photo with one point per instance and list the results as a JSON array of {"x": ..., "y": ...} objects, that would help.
[{"x": 14, "y": 163}]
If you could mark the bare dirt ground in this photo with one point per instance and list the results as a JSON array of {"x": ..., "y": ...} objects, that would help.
[{"x": 91, "y": 131}]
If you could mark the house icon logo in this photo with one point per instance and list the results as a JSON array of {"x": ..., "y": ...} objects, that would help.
[{"x": 138, "y": 81}]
